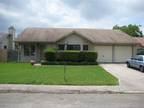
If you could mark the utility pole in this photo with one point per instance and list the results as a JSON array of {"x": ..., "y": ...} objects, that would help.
[{"x": 65, "y": 63}]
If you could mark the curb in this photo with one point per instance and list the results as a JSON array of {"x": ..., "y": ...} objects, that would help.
[
  {"x": 58, "y": 89},
  {"x": 61, "y": 92},
  {"x": 72, "y": 92}
]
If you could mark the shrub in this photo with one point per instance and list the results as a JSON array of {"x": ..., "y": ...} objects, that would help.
[
  {"x": 60, "y": 56},
  {"x": 90, "y": 56},
  {"x": 71, "y": 56},
  {"x": 68, "y": 63},
  {"x": 50, "y": 54},
  {"x": 49, "y": 50}
]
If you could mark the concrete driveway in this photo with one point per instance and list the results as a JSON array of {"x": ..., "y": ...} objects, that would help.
[{"x": 130, "y": 79}]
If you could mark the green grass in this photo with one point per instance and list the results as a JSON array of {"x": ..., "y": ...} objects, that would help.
[{"x": 21, "y": 73}]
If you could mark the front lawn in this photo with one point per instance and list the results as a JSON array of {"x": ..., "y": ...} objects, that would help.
[{"x": 22, "y": 73}]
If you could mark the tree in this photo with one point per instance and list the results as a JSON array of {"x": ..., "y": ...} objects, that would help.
[{"x": 132, "y": 30}]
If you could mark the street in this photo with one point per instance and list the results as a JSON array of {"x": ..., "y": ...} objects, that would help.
[{"x": 44, "y": 100}]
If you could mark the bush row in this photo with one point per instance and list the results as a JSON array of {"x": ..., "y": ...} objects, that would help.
[
  {"x": 71, "y": 56},
  {"x": 68, "y": 63}
]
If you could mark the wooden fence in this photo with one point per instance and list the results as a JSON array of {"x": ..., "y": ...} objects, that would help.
[{"x": 8, "y": 55}]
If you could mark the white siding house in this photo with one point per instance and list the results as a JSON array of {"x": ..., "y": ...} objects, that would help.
[{"x": 7, "y": 39}]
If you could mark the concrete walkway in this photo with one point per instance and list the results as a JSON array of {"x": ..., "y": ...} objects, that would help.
[{"x": 131, "y": 81}]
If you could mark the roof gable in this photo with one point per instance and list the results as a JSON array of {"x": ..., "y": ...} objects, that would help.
[{"x": 75, "y": 33}]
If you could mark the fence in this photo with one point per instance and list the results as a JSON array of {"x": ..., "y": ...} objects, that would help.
[
  {"x": 8, "y": 55},
  {"x": 3, "y": 55}
]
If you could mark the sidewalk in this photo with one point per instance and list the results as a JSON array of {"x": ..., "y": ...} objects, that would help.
[{"x": 61, "y": 89}]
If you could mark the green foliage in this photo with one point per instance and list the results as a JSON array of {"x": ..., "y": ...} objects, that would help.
[
  {"x": 71, "y": 56},
  {"x": 50, "y": 54},
  {"x": 132, "y": 30},
  {"x": 88, "y": 56},
  {"x": 49, "y": 50},
  {"x": 60, "y": 56},
  {"x": 68, "y": 55},
  {"x": 71, "y": 51},
  {"x": 68, "y": 63}
]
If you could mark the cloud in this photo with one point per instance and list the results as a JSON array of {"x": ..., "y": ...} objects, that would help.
[
  {"x": 92, "y": 9},
  {"x": 69, "y": 13}
]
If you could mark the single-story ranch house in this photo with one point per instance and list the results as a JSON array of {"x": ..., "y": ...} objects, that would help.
[{"x": 111, "y": 45}]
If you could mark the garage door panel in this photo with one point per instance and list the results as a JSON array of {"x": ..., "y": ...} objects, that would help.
[
  {"x": 104, "y": 53},
  {"x": 122, "y": 53}
]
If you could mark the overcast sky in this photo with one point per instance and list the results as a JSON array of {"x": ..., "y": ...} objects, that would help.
[{"x": 70, "y": 13}]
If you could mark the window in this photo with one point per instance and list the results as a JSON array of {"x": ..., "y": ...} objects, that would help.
[
  {"x": 73, "y": 47},
  {"x": 29, "y": 50},
  {"x": 32, "y": 50},
  {"x": 26, "y": 50},
  {"x": 61, "y": 47},
  {"x": 5, "y": 47},
  {"x": 85, "y": 47},
  {"x": 140, "y": 58}
]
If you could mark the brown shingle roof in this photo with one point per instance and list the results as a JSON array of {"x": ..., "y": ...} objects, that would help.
[
  {"x": 139, "y": 40},
  {"x": 54, "y": 34}
]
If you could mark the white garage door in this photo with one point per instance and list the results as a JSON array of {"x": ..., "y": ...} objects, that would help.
[
  {"x": 121, "y": 53},
  {"x": 104, "y": 53}
]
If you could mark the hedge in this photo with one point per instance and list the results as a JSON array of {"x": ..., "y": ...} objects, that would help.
[
  {"x": 68, "y": 56},
  {"x": 68, "y": 63},
  {"x": 71, "y": 56},
  {"x": 50, "y": 56},
  {"x": 88, "y": 56}
]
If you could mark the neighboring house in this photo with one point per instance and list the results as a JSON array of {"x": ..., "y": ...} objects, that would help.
[
  {"x": 7, "y": 39},
  {"x": 139, "y": 49},
  {"x": 111, "y": 45}
]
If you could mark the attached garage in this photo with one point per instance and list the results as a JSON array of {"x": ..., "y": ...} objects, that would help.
[
  {"x": 113, "y": 53},
  {"x": 104, "y": 53},
  {"x": 121, "y": 53}
]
